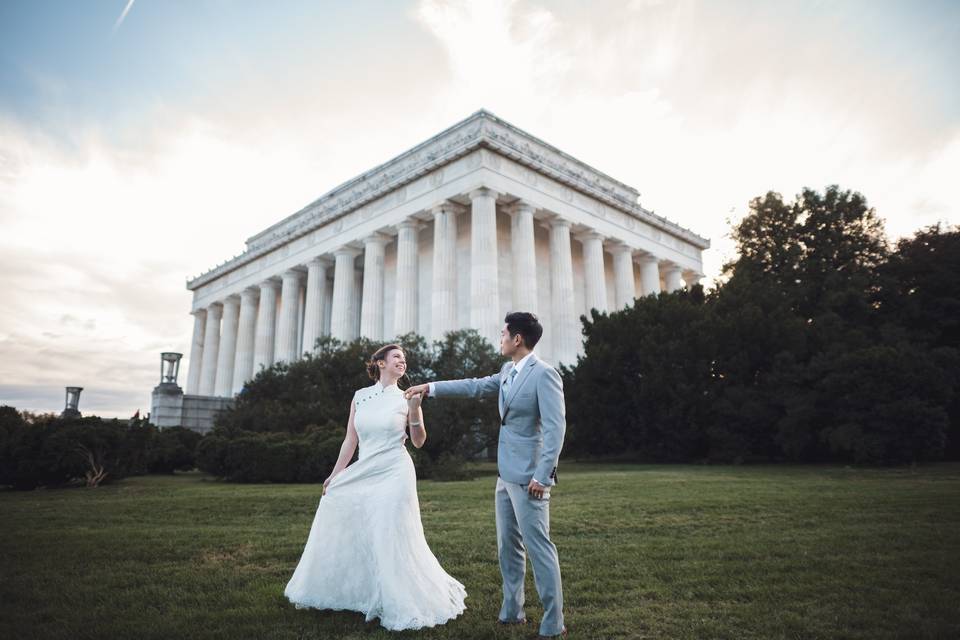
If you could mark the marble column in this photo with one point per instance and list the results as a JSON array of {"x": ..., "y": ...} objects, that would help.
[
  {"x": 211, "y": 350},
  {"x": 327, "y": 302},
  {"x": 371, "y": 306},
  {"x": 342, "y": 326},
  {"x": 443, "y": 298},
  {"x": 287, "y": 325},
  {"x": 266, "y": 326},
  {"x": 316, "y": 295},
  {"x": 595, "y": 279},
  {"x": 405, "y": 306},
  {"x": 196, "y": 351},
  {"x": 484, "y": 286},
  {"x": 671, "y": 276},
  {"x": 625, "y": 285},
  {"x": 228, "y": 347},
  {"x": 561, "y": 292},
  {"x": 301, "y": 303},
  {"x": 524, "y": 257},
  {"x": 692, "y": 278},
  {"x": 246, "y": 337},
  {"x": 649, "y": 274}
]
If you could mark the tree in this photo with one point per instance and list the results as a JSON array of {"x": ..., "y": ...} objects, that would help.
[
  {"x": 643, "y": 382},
  {"x": 919, "y": 302}
]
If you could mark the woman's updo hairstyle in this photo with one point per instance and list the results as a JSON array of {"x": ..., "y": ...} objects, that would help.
[{"x": 373, "y": 369}]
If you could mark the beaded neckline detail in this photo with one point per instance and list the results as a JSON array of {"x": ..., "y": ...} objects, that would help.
[{"x": 378, "y": 390}]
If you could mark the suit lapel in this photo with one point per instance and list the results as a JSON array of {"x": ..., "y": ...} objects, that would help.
[{"x": 521, "y": 378}]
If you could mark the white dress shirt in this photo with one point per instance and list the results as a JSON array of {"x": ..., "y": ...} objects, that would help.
[{"x": 517, "y": 367}]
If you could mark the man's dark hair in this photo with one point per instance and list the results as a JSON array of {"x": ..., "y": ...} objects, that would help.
[{"x": 527, "y": 325}]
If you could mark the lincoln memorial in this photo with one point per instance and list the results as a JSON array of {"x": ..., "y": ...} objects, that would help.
[{"x": 481, "y": 219}]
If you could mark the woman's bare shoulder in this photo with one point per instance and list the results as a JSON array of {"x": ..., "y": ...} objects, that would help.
[{"x": 363, "y": 392}]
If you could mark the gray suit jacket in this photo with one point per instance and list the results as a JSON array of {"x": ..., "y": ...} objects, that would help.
[{"x": 532, "y": 418}]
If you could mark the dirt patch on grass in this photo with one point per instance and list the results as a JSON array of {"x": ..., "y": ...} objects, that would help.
[{"x": 231, "y": 555}]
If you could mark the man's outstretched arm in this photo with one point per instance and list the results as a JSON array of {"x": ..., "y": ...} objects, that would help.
[{"x": 466, "y": 388}]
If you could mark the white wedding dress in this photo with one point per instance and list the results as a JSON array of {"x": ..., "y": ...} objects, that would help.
[{"x": 366, "y": 550}]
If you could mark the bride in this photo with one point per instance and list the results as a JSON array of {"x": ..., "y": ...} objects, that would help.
[{"x": 366, "y": 550}]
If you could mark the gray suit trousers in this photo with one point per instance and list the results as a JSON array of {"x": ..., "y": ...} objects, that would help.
[{"x": 523, "y": 522}]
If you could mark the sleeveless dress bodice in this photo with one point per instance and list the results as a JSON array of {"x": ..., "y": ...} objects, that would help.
[{"x": 380, "y": 419}]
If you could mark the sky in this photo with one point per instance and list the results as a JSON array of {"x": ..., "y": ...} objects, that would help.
[{"x": 142, "y": 142}]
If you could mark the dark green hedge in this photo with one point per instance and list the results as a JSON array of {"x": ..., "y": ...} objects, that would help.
[{"x": 52, "y": 451}]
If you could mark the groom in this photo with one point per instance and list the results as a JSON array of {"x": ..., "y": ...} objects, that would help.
[{"x": 532, "y": 425}]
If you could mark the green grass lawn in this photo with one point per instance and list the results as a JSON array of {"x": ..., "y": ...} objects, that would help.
[{"x": 646, "y": 551}]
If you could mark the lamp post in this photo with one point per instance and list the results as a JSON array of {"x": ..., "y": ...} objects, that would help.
[
  {"x": 169, "y": 367},
  {"x": 72, "y": 402}
]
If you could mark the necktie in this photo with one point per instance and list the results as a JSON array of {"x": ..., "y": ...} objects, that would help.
[{"x": 506, "y": 386}]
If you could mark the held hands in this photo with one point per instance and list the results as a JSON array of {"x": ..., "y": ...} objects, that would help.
[
  {"x": 421, "y": 389},
  {"x": 414, "y": 401},
  {"x": 325, "y": 483}
]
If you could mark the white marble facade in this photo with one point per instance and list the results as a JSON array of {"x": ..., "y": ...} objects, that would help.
[{"x": 481, "y": 219}]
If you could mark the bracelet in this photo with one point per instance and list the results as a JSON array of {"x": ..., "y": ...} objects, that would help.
[{"x": 415, "y": 424}]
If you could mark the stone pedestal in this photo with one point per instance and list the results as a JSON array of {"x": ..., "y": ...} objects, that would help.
[{"x": 166, "y": 405}]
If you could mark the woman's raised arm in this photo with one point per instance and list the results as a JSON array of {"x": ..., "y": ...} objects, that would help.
[{"x": 418, "y": 431}]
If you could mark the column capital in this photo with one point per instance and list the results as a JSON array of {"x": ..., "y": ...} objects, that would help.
[
  {"x": 376, "y": 238},
  {"x": 589, "y": 234},
  {"x": 645, "y": 257},
  {"x": 321, "y": 260},
  {"x": 250, "y": 292},
  {"x": 447, "y": 206},
  {"x": 554, "y": 220},
  {"x": 292, "y": 272},
  {"x": 215, "y": 308},
  {"x": 618, "y": 246},
  {"x": 692, "y": 277},
  {"x": 347, "y": 250},
  {"x": 521, "y": 206},
  {"x": 410, "y": 223},
  {"x": 270, "y": 282},
  {"x": 482, "y": 191},
  {"x": 669, "y": 265}
]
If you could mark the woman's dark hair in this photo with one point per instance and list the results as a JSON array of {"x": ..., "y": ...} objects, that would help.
[
  {"x": 373, "y": 370},
  {"x": 527, "y": 325}
]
